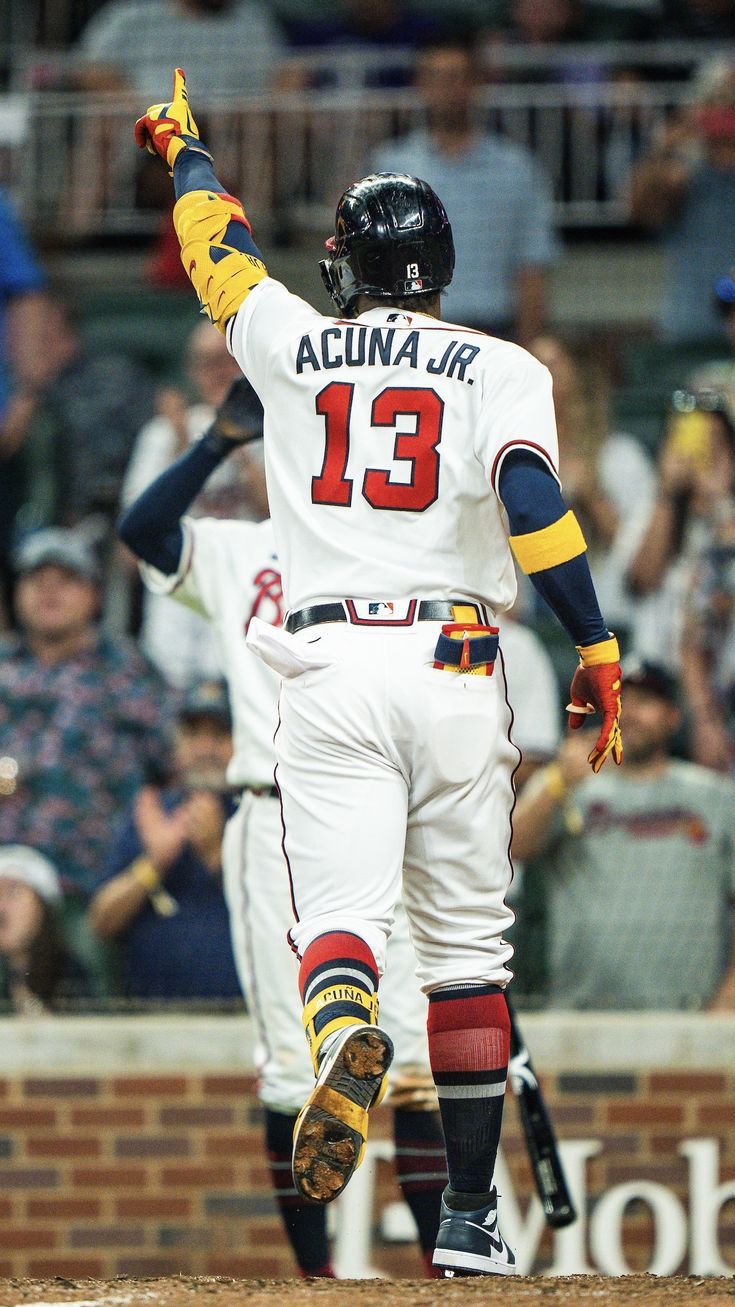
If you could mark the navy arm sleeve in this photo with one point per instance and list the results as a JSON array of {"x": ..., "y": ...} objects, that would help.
[
  {"x": 532, "y": 499},
  {"x": 195, "y": 172},
  {"x": 151, "y": 526}
]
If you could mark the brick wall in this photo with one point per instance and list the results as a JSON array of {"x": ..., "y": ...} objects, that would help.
[{"x": 155, "y": 1174}]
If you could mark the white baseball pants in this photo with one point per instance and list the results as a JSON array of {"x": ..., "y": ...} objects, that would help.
[{"x": 396, "y": 776}]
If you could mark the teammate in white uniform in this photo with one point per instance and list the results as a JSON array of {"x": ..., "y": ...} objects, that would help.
[
  {"x": 227, "y": 571},
  {"x": 400, "y": 454}
]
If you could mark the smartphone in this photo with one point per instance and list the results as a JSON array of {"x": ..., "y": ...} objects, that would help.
[{"x": 689, "y": 435}]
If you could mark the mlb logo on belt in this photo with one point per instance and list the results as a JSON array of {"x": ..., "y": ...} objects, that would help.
[{"x": 381, "y": 612}]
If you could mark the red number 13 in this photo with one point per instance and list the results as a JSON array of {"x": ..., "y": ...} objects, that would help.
[{"x": 419, "y": 448}]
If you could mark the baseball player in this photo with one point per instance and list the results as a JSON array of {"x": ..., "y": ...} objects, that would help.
[
  {"x": 227, "y": 571},
  {"x": 407, "y": 460}
]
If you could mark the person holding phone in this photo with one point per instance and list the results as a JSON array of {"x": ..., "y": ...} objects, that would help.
[{"x": 693, "y": 515}]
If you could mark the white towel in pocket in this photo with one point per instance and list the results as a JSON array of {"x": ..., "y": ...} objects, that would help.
[{"x": 281, "y": 651}]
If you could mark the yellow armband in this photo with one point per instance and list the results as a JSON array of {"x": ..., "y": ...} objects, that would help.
[
  {"x": 221, "y": 275},
  {"x": 550, "y": 546}
]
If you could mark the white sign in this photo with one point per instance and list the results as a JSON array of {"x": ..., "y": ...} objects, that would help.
[{"x": 588, "y": 1245}]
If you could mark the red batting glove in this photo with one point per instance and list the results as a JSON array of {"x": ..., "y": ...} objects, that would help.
[
  {"x": 167, "y": 129},
  {"x": 596, "y": 688}
]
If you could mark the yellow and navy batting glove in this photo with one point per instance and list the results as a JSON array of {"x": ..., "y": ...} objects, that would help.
[
  {"x": 596, "y": 688},
  {"x": 167, "y": 129}
]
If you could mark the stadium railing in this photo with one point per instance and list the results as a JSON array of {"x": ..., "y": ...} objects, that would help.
[{"x": 76, "y": 173}]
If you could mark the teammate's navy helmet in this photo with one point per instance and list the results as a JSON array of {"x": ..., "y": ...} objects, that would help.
[{"x": 392, "y": 240}]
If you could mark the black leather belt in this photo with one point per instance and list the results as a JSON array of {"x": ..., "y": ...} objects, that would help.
[{"x": 423, "y": 610}]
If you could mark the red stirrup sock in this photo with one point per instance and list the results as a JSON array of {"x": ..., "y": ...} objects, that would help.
[{"x": 469, "y": 1044}]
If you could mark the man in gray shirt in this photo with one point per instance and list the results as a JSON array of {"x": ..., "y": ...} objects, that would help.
[
  {"x": 639, "y": 867},
  {"x": 495, "y": 194},
  {"x": 228, "y": 47}
]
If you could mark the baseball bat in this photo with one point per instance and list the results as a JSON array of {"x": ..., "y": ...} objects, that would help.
[{"x": 548, "y": 1171}]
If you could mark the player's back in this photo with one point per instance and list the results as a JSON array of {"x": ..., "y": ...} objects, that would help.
[{"x": 381, "y": 438}]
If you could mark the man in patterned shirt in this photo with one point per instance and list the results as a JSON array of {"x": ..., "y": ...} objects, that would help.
[{"x": 82, "y": 722}]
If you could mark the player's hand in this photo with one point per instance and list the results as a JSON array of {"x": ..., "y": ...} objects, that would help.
[
  {"x": 167, "y": 129},
  {"x": 596, "y": 688},
  {"x": 240, "y": 415}
]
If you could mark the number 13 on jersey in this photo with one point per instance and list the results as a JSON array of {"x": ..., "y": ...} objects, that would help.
[{"x": 419, "y": 448}]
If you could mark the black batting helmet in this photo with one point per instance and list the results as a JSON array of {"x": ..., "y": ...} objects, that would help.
[{"x": 392, "y": 240}]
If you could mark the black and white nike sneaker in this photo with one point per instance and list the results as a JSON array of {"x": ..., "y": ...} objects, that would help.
[{"x": 469, "y": 1241}]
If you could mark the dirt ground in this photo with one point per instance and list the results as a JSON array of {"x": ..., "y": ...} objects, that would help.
[{"x": 184, "y": 1291}]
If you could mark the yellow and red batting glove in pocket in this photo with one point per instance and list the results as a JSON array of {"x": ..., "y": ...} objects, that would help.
[
  {"x": 167, "y": 129},
  {"x": 466, "y": 647},
  {"x": 596, "y": 688}
]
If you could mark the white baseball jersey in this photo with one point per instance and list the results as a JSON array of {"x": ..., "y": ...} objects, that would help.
[
  {"x": 228, "y": 572},
  {"x": 384, "y": 438}
]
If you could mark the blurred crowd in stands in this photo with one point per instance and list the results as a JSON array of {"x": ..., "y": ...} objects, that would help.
[
  {"x": 242, "y": 45},
  {"x": 114, "y": 721}
]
